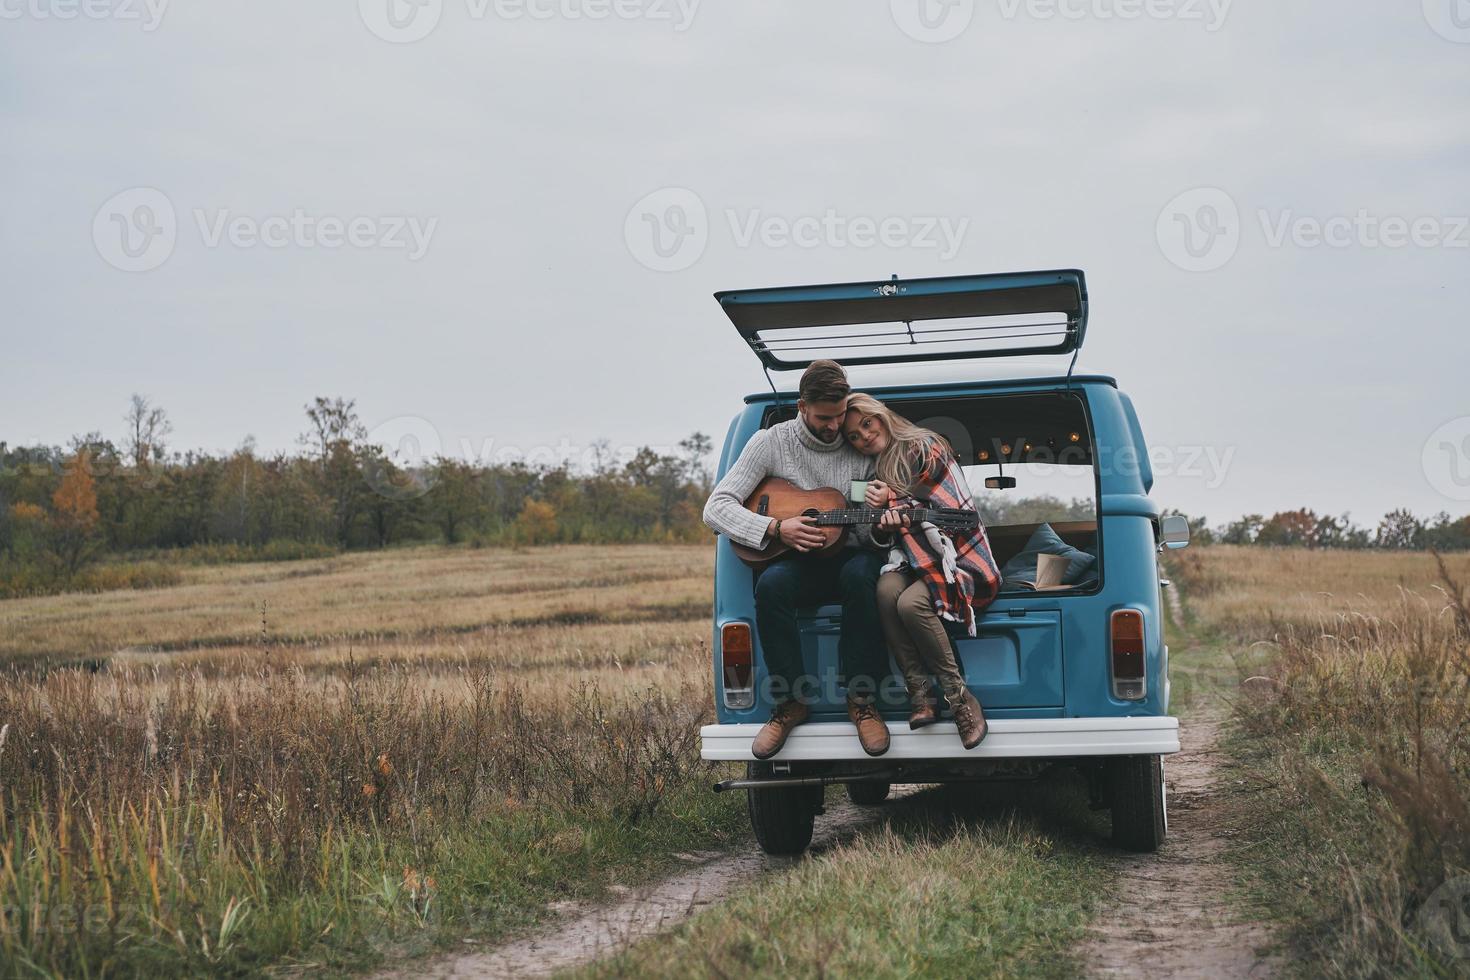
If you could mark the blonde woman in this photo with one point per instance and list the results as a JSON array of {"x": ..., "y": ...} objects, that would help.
[{"x": 932, "y": 575}]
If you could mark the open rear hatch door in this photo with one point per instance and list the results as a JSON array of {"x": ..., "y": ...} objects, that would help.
[{"x": 1004, "y": 315}]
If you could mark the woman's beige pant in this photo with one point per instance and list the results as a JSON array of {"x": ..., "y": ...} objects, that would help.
[{"x": 916, "y": 636}]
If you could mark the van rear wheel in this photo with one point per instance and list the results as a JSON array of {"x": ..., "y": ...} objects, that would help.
[
  {"x": 783, "y": 819},
  {"x": 1136, "y": 791},
  {"x": 867, "y": 794}
]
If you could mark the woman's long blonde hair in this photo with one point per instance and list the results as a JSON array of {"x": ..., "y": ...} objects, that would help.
[{"x": 908, "y": 444}]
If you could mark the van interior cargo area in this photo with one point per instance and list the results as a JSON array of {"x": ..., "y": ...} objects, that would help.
[{"x": 991, "y": 433}]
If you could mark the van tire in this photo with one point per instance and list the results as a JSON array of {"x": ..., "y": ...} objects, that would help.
[
  {"x": 783, "y": 819},
  {"x": 1136, "y": 790},
  {"x": 867, "y": 793}
]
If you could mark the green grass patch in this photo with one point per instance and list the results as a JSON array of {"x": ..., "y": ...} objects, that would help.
[{"x": 986, "y": 880}]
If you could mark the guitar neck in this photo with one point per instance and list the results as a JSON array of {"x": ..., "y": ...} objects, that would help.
[{"x": 867, "y": 515}]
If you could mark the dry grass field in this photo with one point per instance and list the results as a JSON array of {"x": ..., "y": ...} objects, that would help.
[
  {"x": 1351, "y": 747},
  {"x": 1253, "y": 592},
  {"x": 325, "y": 763},
  {"x": 330, "y": 764}
]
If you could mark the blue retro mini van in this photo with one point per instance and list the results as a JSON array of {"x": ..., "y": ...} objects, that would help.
[{"x": 1074, "y": 673}]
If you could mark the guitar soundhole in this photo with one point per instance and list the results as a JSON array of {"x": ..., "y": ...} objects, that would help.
[{"x": 811, "y": 512}]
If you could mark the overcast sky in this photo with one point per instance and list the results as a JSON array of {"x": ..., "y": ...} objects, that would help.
[{"x": 447, "y": 210}]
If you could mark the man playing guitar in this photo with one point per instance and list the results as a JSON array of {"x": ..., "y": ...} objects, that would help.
[{"x": 810, "y": 452}]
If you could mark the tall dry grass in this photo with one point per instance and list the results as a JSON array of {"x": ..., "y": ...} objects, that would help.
[
  {"x": 1354, "y": 749},
  {"x": 273, "y": 800}
]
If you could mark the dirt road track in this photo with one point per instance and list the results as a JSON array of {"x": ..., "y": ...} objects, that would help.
[
  {"x": 581, "y": 934},
  {"x": 1171, "y": 917}
]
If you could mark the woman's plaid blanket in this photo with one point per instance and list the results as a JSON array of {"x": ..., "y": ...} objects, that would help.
[{"x": 957, "y": 566}]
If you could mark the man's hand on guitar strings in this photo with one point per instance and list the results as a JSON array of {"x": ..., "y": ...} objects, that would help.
[{"x": 801, "y": 533}]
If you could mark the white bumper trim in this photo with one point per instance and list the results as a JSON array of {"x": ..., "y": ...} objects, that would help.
[{"x": 1019, "y": 738}]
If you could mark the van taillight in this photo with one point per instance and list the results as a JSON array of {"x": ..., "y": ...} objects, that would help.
[
  {"x": 738, "y": 660},
  {"x": 1129, "y": 681}
]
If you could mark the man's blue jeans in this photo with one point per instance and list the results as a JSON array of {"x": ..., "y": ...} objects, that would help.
[{"x": 849, "y": 576}]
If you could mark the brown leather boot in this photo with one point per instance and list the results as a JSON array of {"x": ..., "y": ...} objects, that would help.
[
  {"x": 784, "y": 717},
  {"x": 872, "y": 732},
  {"x": 970, "y": 720},
  {"x": 925, "y": 708}
]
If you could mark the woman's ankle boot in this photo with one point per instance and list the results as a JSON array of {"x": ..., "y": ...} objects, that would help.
[{"x": 925, "y": 707}]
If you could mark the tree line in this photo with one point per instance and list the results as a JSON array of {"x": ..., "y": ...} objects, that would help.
[
  {"x": 62, "y": 509},
  {"x": 1398, "y": 530}
]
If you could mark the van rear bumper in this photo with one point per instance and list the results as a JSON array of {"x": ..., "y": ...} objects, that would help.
[{"x": 1020, "y": 738}]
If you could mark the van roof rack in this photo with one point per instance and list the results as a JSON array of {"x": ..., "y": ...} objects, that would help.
[{"x": 889, "y": 322}]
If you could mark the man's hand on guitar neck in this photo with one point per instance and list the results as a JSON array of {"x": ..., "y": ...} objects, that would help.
[{"x": 798, "y": 532}]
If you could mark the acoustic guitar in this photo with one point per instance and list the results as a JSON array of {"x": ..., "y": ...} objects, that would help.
[{"x": 833, "y": 515}]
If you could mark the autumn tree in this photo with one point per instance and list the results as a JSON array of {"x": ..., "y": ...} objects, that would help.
[
  {"x": 74, "y": 513},
  {"x": 536, "y": 523}
]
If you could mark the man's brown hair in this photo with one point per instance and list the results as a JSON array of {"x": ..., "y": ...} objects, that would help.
[{"x": 824, "y": 381}]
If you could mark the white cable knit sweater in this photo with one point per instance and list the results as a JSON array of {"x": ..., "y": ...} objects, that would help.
[{"x": 790, "y": 451}]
